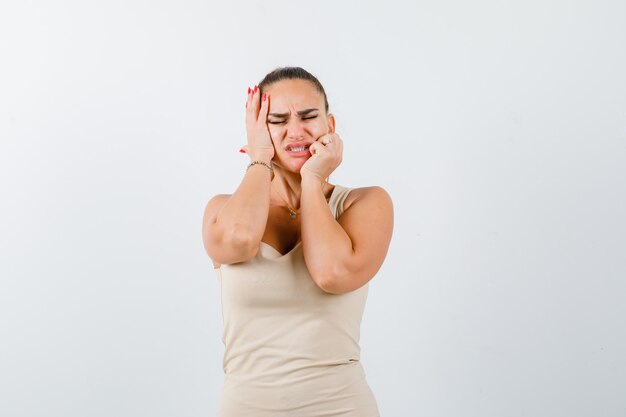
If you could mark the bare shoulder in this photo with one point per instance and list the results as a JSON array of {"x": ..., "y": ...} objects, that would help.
[
  {"x": 215, "y": 204},
  {"x": 374, "y": 195},
  {"x": 368, "y": 221},
  {"x": 211, "y": 210},
  {"x": 364, "y": 207}
]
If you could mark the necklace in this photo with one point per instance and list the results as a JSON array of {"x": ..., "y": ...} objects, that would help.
[{"x": 292, "y": 213}]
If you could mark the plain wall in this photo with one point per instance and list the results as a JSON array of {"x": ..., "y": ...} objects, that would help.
[{"x": 498, "y": 128}]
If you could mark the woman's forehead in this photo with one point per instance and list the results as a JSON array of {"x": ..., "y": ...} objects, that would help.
[
  {"x": 301, "y": 89},
  {"x": 294, "y": 93}
]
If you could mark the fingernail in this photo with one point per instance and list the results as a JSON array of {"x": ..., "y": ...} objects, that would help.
[
  {"x": 256, "y": 88},
  {"x": 249, "y": 90},
  {"x": 264, "y": 96},
  {"x": 242, "y": 150}
]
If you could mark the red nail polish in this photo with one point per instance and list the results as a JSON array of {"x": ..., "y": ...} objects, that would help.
[
  {"x": 256, "y": 88},
  {"x": 249, "y": 90},
  {"x": 264, "y": 96},
  {"x": 242, "y": 151}
]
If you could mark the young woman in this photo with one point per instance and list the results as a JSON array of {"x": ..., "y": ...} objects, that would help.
[{"x": 294, "y": 254}]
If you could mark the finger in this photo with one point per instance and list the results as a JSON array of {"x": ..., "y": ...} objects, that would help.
[
  {"x": 336, "y": 144},
  {"x": 337, "y": 148},
  {"x": 249, "y": 111},
  {"x": 317, "y": 149},
  {"x": 265, "y": 105},
  {"x": 252, "y": 110},
  {"x": 255, "y": 101},
  {"x": 328, "y": 138},
  {"x": 322, "y": 139}
]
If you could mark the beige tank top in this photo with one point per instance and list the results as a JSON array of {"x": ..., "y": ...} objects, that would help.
[{"x": 288, "y": 344}]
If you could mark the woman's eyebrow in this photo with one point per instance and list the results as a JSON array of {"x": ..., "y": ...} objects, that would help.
[{"x": 300, "y": 113}]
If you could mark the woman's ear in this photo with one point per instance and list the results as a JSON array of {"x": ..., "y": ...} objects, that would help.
[{"x": 331, "y": 123}]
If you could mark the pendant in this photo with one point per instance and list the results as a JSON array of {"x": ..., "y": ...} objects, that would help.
[{"x": 293, "y": 214}]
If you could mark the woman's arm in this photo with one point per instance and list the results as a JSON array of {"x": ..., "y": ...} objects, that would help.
[
  {"x": 233, "y": 226},
  {"x": 343, "y": 255}
]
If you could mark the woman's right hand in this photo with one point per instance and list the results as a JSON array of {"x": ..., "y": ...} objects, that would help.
[{"x": 260, "y": 146}]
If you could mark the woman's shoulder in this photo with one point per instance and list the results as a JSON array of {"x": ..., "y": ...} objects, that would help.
[
  {"x": 218, "y": 197},
  {"x": 374, "y": 194},
  {"x": 215, "y": 203}
]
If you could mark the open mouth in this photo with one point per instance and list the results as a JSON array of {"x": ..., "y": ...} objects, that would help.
[{"x": 300, "y": 148}]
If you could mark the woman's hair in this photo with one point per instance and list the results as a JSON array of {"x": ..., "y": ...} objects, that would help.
[{"x": 293, "y": 73}]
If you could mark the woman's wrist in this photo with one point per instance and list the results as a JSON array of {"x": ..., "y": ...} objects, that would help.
[
  {"x": 261, "y": 154},
  {"x": 312, "y": 181},
  {"x": 260, "y": 157},
  {"x": 265, "y": 160},
  {"x": 262, "y": 164}
]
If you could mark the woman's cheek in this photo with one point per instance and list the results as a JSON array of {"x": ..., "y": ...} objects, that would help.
[
  {"x": 321, "y": 130},
  {"x": 272, "y": 132}
]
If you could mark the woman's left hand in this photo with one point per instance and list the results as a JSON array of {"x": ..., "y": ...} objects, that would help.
[{"x": 326, "y": 155}]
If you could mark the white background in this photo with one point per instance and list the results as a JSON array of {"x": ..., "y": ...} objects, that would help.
[{"x": 498, "y": 128}]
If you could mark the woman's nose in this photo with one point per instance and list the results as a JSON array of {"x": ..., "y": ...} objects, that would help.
[{"x": 295, "y": 129}]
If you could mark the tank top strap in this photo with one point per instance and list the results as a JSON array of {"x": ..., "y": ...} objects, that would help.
[{"x": 337, "y": 199}]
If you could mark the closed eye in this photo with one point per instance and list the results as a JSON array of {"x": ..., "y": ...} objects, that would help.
[{"x": 274, "y": 122}]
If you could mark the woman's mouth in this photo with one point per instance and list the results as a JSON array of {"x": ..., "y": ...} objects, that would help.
[{"x": 298, "y": 149}]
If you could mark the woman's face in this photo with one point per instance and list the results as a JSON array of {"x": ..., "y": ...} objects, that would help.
[{"x": 296, "y": 118}]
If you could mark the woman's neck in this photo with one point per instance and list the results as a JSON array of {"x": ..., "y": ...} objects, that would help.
[{"x": 288, "y": 187}]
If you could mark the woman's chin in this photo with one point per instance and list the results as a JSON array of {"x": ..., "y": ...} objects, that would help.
[{"x": 292, "y": 165}]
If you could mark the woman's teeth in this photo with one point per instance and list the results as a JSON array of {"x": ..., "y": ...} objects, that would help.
[{"x": 298, "y": 149}]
